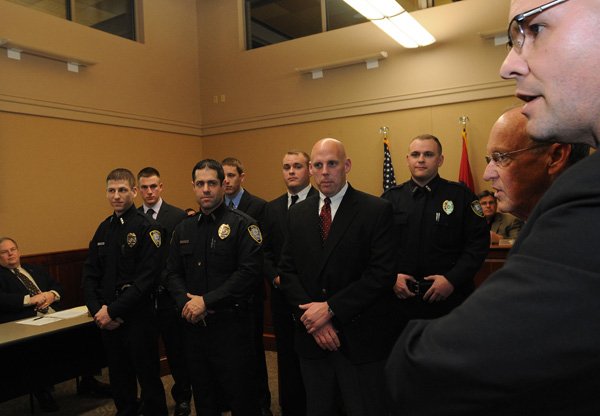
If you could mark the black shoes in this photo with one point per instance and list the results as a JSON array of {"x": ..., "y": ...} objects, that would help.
[
  {"x": 46, "y": 401},
  {"x": 182, "y": 409},
  {"x": 89, "y": 385}
]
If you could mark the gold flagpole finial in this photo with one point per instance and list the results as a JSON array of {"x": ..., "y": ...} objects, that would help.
[{"x": 384, "y": 130}]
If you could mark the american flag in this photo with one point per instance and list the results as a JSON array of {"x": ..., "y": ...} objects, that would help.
[{"x": 389, "y": 179}]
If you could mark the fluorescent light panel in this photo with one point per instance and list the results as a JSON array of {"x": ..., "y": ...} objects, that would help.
[{"x": 390, "y": 17}]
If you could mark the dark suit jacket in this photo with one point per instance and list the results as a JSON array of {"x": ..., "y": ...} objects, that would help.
[
  {"x": 253, "y": 206},
  {"x": 506, "y": 225},
  {"x": 354, "y": 272},
  {"x": 168, "y": 217},
  {"x": 274, "y": 232},
  {"x": 527, "y": 341},
  {"x": 12, "y": 292}
]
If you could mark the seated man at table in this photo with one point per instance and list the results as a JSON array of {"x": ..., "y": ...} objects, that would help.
[
  {"x": 27, "y": 290},
  {"x": 502, "y": 225}
]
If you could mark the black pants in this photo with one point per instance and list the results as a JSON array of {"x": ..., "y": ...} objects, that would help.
[
  {"x": 132, "y": 352},
  {"x": 362, "y": 386},
  {"x": 171, "y": 326},
  {"x": 292, "y": 396},
  {"x": 221, "y": 356},
  {"x": 262, "y": 375}
]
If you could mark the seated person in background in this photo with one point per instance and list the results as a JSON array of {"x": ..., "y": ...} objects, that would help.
[
  {"x": 501, "y": 225},
  {"x": 26, "y": 291},
  {"x": 29, "y": 293}
]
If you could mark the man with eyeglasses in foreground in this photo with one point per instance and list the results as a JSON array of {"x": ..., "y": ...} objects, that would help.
[
  {"x": 442, "y": 236},
  {"x": 526, "y": 342}
]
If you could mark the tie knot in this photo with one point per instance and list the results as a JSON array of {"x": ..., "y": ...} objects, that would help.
[
  {"x": 294, "y": 199},
  {"x": 327, "y": 201},
  {"x": 150, "y": 212}
]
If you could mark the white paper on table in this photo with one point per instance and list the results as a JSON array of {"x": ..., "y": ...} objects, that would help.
[
  {"x": 70, "y": 313},
  {"x": 39, "y": 320}
]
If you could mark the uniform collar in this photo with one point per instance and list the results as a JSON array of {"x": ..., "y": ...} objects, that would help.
[
  {"x": 127, "y": 215},
  {"x": 213, "y": 216},
  {"x": 430, "y": 187}
]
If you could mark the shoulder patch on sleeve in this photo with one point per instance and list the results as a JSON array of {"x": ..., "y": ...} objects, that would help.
[
  {"x": 255, "y": 233},
  {"x": 156, "y": 238},
  {"x": 476, "y": 207}
]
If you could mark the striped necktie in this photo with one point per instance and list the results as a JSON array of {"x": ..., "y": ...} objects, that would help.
[{"x": 31, "y": 288}]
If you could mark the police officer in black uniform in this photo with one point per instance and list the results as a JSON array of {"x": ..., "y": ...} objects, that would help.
[
  {"x": 442, "y": 234},
  {"x": 214, "y": 265},
  {"x": 121, "y": 272}
]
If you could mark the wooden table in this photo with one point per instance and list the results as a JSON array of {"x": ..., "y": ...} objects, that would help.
[{"x": 34, "y": 356}]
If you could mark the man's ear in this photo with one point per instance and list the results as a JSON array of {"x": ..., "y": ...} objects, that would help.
[{"x": 558, "y": 157}]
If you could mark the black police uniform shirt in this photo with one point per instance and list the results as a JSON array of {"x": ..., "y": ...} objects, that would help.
[
  {"x": 124, "y": 263},
  {"x": 217, "y": 256},
  {"x": 440, "y": 229}
]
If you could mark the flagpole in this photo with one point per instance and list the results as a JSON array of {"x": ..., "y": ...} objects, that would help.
[
  {"x": 464, "y": 172},
  {"x": 389, "y": 178}
]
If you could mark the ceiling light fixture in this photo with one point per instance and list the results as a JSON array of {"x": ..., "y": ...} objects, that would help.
[{"x": 390, "y": 17}]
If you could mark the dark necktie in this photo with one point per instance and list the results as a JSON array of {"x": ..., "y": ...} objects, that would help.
[
  {"x": 31, "y": 288},
  {"x": 150, "y": 213},
  {"x": 294, "y": 199},
  {"x": 325, "y": 217},
  {"x": 231, "y": 204}
]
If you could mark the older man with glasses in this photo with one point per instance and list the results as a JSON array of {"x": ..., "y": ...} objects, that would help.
[
  {"x": 526, "y": 342},
  {"x": 520, "y": 169}
]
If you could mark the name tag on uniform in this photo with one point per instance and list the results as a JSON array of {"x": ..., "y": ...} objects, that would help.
[{"x": 100, "y": 243}]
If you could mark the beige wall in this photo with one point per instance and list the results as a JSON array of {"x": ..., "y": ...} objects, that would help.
[
  {"x": 152, "y": 102},
  {"x": 52, "y": 175},
  {"x": 152, "y": 84},
  {"x": 261, "y": 150},
  {"x": 263, "y": 89}
]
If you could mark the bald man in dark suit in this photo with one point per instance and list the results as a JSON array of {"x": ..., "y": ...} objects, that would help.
[{"x": 337, "y": 272}]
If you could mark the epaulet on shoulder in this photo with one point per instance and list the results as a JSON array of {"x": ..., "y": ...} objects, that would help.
[
  {"x": 395, "y": 188},
  {"x": 244, "y": 215},
  {"x": 459, "y": 185}
]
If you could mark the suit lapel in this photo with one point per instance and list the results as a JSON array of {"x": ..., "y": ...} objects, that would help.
[
  {"x": 343, "y": 219},
  {"x": 162, "y": 212},
  {"x": 244, "y": 202}
]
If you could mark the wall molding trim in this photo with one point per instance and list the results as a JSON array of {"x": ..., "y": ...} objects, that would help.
[
  {"x": 497, "y": 89},
  {"x": 23, "y": 105}
]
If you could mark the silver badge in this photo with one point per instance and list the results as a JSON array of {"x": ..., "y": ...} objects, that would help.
[{"x": 448, "y": 206}]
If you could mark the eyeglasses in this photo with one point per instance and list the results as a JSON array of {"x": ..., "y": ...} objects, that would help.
[
  {"x": 502, "y": 158},
  {"x": 519, "y": 30}
]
